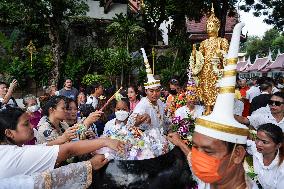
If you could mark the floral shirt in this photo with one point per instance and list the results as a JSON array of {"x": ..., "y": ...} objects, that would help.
[{"x": 46, "y": 132}]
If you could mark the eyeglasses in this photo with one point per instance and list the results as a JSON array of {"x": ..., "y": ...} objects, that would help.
[{"x": 275, "y": 103}]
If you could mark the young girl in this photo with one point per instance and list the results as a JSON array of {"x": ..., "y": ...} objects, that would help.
[
  {"x": 133, "y": 96},
  {"x": 121, "y": 115},
  {"x": 52, "y": 127},
  {"x": 72, "y": 118}
]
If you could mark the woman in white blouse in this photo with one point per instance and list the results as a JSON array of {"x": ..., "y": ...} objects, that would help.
[
  {"x": 268, "y": 155},
  {"x": 191, "y": 108}
]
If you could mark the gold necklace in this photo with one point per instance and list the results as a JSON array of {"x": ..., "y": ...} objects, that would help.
[{"x": 157, "y": 110}]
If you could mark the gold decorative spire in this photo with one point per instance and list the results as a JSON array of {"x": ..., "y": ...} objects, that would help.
[{"x": 212, "y": 18}]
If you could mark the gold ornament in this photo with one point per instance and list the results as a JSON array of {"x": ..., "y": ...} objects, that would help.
[
  {"x": 207, "y": 64},
  {"x": 213, "y": 19},
  {"x": 31, "y": 49}
]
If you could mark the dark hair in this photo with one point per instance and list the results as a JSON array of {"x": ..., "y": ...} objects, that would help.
[
  {"x": 3, "y": 83},
  {"x": 174, "y": 82},
  {"x": 51, "y": 103},
  {"x": 264, "y": 86},
  {"x": 135, "y": 88},
  {"x": 68, "y": 101},
  {"x": 9, "y": 118},
  {"x": 276, "y": 134},
  {"x": 91, "y": 89},
  {"x": 126, "y": 101},
  {"x": 279, "y": 94}
]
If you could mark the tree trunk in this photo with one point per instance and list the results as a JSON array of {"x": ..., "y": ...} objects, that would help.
[
  {"x": 54, "y": 37},
  {"x": 223, "y": 17}
]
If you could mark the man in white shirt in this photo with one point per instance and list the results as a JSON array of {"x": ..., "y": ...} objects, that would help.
[
  {"x": 96, "y": 91},
  {"x": 272, "y": 113},
  {"x": 253, "y": 91}
]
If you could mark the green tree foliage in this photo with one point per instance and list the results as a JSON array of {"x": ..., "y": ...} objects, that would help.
[
  {"x": 273, "y": 10},
  {"x": 126, "y": 31},
  {"x": 272, "y": 40},
  {"x": 44, "y": 18},
  {"x": 21, "y": 68}
]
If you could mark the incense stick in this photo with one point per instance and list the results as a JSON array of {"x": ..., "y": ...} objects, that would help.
[{"x": 110, "y": 99}]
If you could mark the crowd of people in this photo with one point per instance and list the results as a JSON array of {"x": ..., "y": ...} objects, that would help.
[{"x": 43, "y": 139}]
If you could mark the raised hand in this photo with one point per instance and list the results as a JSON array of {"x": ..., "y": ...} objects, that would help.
[{"x": 93, "y": 117}]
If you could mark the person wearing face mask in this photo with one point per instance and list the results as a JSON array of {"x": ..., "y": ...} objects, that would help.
[
  {"x": 33, "y": 109},
  {"x": 34, "y": 112},
  {"x": 272, "y": 113},
  {"x": 176, "y": 94},
  {"x": 120, "y": 120},
  {"x": 218, "y": 142}
]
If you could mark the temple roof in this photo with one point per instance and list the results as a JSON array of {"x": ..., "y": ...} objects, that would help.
[
  {"x": 197, "y": 29},
  {"x": 278, "y": 63},
  {"x": 193, "y": 26},
  {"x": 241, "y": 65},
  {"x": 258, "y": 64}
]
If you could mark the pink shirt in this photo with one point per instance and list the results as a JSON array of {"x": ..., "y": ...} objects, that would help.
[{"x": 133, "y": 105}]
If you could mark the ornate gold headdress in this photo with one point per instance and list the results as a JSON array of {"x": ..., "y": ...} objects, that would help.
[{"x": 213, "y": 19}]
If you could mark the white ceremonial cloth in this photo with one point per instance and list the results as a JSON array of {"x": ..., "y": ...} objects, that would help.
[
  {"x": 184, "y": 111},
  {"x": 271, "y": 176},
  {"x": 26, "y": 160},
  {"x": 262, "y": 116}
]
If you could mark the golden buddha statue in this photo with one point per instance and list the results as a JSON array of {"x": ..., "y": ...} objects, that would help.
[{"x": 208, "y": 62}]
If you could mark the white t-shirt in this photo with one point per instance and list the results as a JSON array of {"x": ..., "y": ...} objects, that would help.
[
  {"x": 92, "y": 100},
  {"x": 262, "y": 116},
  {"x": 271, "y": 176},
  {"x": 10, "y": 102},
  {"x": 274, "y": 90},
  {"x": 110, "y": 126},
  {"x": 26, "y": 160},
  {"x": 252, "y": 92},
  {"x": 182, "y": 112}
]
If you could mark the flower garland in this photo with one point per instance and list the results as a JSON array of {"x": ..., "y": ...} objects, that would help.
[
  {"x": 178, "y": 101},
  {"x": 184, "y": 127}
]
